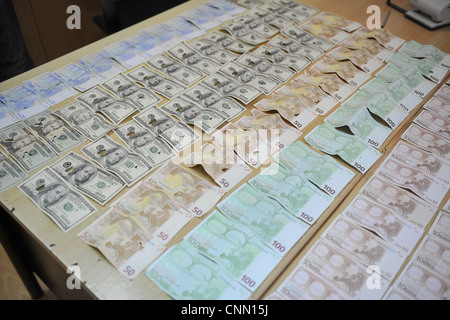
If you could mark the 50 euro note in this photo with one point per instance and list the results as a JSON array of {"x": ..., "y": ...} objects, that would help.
[
  {"x": 123, "y": 241},
  {"x": 322, "y": 170},
  {"x": 264, "y": 217},
  {"x": 356, "y": 42},
  {"x": 185, "y": 188},
  {"x": 342, "y": 272},
  {"x": 157, "y": 213},
  {"x": 221, "y": 163},
  {"x": 364, "y": 246},
  {"x": 185, "y": 274},
  {"x": 409, "y": 206},
  {"x": 411, "y": 178},
  {"x": 334, "y": 20},
  {"x": 234, "y": 248},
  {"x": 382, "y": 36},
  {"x": 293, "y": 191},
  {"x": 350, "y": 148},
  {"x": 52, "y": 195},
  {"x": 359, "y": 57},
  {"x": 361, "y": 124},
  {"x": 326, "y": 31}
]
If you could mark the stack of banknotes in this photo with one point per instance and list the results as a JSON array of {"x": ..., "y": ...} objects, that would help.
[{"x": 144, "y": 115}]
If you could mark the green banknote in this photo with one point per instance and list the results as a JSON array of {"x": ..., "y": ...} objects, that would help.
[{"x": 350, "y": 148}]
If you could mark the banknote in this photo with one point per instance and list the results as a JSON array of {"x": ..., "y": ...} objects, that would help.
[
  {"x": 378, "y": 104},
  {"x": 228, "y": 87},
  {"x": 292, "y": 46},
  {"x": 416, "y": 180},
  {"x": 87, "y": 178},
  {"x": 401, "y": 235},
  {"x": 290, "y": 108},
  {"x": 297, "y": 7},
  {"x": 221, "y": 163},
  {"x": 141, "y": 140},
  {"x": 24, "y": 147},
  {"x": 422, "y": 160},
  {"x": 77, "y": 77},
  {"x": 213, "y": 51},
  {"x": 361, "y": 124},
  {"x": 427, "y": 68},
  {"x": 296, "y": 33},
  {"x": 293, "y": 191},
  {"x": 372, "y": 46},
  {"x": 7, "y": 116},
  {"x": 317, "y": 28},
  {"x": 415, "y": 81},
  {"x": 416, "y": 50},
  {"x": 257, "y": 26},
  {"x": 359, "y": 57},
  {"x": 174, "y": 69},
  {"x": 364, "y": 246},
  {"x": 428, "y": 141},
  {"x": 278, "y": 134},
  {"x": 344, "y": 69},
  {"x": 433, "y": 254},
  {"x": 227, "y": 42},
  {"x": 191, "y": 112},
  {"x": 148, "y": 45},
  {"x": 265, "y": 67},
  {"x": 279, "y": 57},
  {"x": 416, "y": 282},
  {"x": 202, "y": 17},
  {"x": 265, "y": 217},
  {"x": 268, "y": 17},
  {"x": 10, "y": 173},
  {"x": 440, "y": 227},
  {"x": 156, "y": 82},
  {"x": 443, "y": 93},
  {"x": 409, "y": 206},
  {"x": 183, "y": 29},
  {"x": 330, "y": 83},
  {"x": 55, "y": 132},
  {"x": 114, "y": 157},
  {"x": 163, "y": 36},
  {"x": 342, "y": 271},
  {"x": 447, "y": 206},
  {"x": 101, "y": 101},
  {"x": 438, "y": 106},
  {"x": 185, "y": 274},
  {"x": 297, "y": 16},
  {"x": 350, "y": 148},
  {"x": 232, "y": 9},
  {"x": 248, "y": 76},
  {"x": 50, "y": 88},
  {"x": 126, "y": 88},
  {"x": 234, "y": 248},
  {"x": 397, "y": 91},
  {"x": 334, "y": 20},
  {"x": 23, "y": 102},
  {"x": 210, "y": 98},
  {"x": 66, "y": 207},
  {"x": 382, "y": 36},
  {"x": 250, "y": 145},
  {"x": 322, "y": 170},
  {"x": 100, "y": 65},
  {"x": 178, "y": 134},
  {"x": 187, "y": 189},
  {"x": 155, "y": 211},
  {"x": 123, "y": 241},
  {"x": 304, "y": 284},
  {"x": 125, "y": 53},
  {"x": 310, "y": 94},
  {"x": 81, "y": 118},
  {"x": 195, "y": 59}
]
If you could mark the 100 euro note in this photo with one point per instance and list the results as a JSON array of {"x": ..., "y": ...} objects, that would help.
[
  {"x": 66, "y": 207},
  {"x": 350, "y": 148},
  {"x": 123, "y": 241},
  {"x": 185, "y": 274},
  {"x": 234, "y": 248}
]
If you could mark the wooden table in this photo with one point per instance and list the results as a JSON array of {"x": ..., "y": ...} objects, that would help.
[{"x": 48, "y": 252}]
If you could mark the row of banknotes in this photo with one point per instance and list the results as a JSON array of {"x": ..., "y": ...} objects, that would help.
[{"x": 385, "y": 225}]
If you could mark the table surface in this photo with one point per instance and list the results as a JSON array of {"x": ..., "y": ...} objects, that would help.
[{"x": 98, "y": 276}]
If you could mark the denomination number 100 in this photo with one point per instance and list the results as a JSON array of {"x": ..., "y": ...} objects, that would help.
[
  {"x": 278, "y": 246},
  {"x": 248, "y": 281}
]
